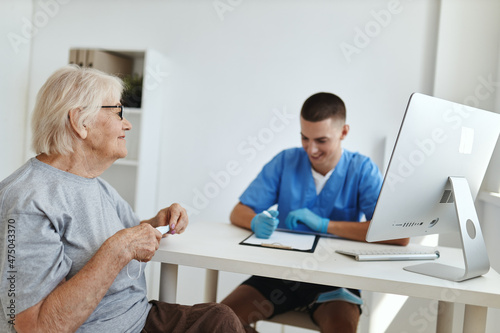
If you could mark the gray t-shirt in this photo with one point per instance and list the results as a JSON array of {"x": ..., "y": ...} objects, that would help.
[{"x": 51, "y": 223}]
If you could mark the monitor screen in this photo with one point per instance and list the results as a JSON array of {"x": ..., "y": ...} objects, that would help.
[{"x": 436, "y": 168}]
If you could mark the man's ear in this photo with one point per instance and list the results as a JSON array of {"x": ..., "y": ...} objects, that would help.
[
  {"x": 345, "y": 131},
  {"x": 80, "y": 130}
]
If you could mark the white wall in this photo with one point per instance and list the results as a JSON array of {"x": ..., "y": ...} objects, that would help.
[
  {"x": 16, "y": 51},
  {"x": 228, "y": 77},
  {"x": 468, "y": 60},
  {"x": 268, "y": 56},
  {"x": 232, "y": 73},
  {"x": 467, "y": 65}
]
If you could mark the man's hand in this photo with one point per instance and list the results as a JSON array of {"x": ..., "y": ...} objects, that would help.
[
  {"x": 307, "y": 217},
  {"x": 263, "y": 225}
]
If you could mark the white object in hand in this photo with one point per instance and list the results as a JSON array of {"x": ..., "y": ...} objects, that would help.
[
  {"x": 163, "y": 229},
  {"x": 267, "y": 213}
]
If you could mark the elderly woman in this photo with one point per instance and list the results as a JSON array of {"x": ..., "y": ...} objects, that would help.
[{"x": 71, "y": 246}]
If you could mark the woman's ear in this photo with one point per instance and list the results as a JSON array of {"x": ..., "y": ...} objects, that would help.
[{"x": 80, "y": 130}]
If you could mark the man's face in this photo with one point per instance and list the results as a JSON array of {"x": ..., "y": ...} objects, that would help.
[{"x": 321, "y": 140}]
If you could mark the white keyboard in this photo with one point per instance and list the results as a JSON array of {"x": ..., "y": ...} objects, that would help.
[{"x": 391, "y": 254}]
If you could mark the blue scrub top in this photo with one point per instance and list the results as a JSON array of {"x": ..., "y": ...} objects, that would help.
[{"x": 351, "y": 191}]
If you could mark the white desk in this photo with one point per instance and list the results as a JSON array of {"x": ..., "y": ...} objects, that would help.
[{"x": 214, "y": 246}]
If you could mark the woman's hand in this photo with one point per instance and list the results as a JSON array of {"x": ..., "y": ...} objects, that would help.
[
  {"x": 174, "y": 216},
  {"x": 70, "y": 302},
  {"x": 141, "y": 241}
]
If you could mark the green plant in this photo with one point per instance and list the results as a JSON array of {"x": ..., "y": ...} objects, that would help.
[{"x": 132, "y": 93}]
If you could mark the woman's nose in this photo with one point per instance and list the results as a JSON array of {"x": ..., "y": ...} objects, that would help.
[{"x": 127, "y": 125}]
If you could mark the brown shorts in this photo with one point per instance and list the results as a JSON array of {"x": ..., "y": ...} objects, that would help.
[{"x": 205, "y": 317}]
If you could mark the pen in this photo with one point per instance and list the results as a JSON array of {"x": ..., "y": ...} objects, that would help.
[
  {"x": 276, "y": 245},
  {"x": 267, "y": 213}
]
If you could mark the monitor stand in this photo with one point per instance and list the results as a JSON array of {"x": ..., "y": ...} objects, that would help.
[{"x": 473, "y": 246}]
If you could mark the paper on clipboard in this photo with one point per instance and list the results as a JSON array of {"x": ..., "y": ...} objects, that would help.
[{"x": 284, "y": 240}]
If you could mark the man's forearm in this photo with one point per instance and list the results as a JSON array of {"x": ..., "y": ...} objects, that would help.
[
  {"x": 350, "y": 230},
  {"x": 357, "y": 231},
  {"x": 242, "y": 216}
]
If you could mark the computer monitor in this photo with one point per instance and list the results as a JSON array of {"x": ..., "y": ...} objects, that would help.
[{"x": 434, "y": 174}]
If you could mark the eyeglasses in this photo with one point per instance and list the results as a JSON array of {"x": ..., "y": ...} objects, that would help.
[{"x": 120, "y": 113}]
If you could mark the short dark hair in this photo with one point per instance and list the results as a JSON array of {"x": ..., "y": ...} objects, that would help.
[{"x": 322, "y": 106}]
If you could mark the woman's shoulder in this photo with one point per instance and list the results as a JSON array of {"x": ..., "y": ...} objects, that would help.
[
  {"x": 108, "y": 189},
  {"x": 22, "y": 170},
  {"x": 16, "y": 191},
  {"x": 36, "y": 187}
]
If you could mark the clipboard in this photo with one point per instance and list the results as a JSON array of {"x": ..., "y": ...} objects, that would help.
[
  {"x": 310, "y": 232},
  {"x": 283, "y": 240}
]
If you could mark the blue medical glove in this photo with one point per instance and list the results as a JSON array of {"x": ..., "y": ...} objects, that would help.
[
  {"x": 263, "y": 225},
  {"x": 307, "y": 217}
]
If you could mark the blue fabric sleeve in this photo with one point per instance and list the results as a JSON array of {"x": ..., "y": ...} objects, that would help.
[
  {"x": 369, "y": 188},
  {"x": 263, "y": 192}
]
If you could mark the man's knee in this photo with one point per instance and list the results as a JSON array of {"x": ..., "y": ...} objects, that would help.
[{"x": 341, "y": 316}]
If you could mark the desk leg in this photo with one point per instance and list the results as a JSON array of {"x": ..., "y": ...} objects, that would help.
[
  {"x": 475, "y": 319},
  {"x": 168, "y": 283},
  {"x": 445, "y": 317},
  {"x": 211, "y": 280}
]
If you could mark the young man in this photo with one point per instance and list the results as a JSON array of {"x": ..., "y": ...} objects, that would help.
[{"x": 319, "y": 187}]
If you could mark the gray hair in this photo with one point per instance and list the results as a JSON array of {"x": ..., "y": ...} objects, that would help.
[{"x": 70, "y": 87}]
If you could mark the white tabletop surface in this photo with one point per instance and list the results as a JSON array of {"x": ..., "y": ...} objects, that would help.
[{"x": 216, "y": 246}]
